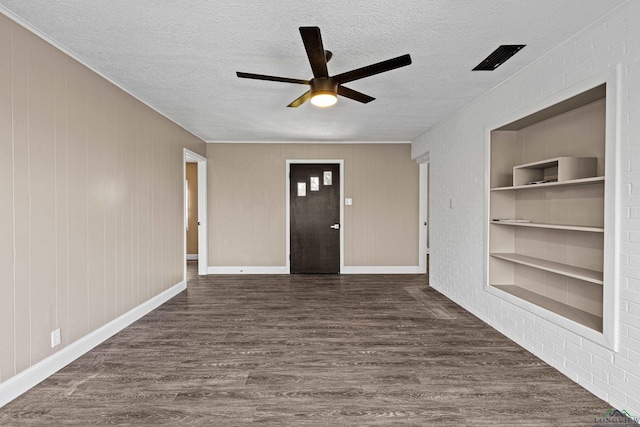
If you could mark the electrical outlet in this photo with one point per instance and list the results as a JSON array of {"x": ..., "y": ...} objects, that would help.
[{"x": 55, "y": 338}]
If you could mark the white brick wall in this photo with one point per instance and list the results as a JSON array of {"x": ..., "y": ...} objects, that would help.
[{"x": 456, "y": 151}]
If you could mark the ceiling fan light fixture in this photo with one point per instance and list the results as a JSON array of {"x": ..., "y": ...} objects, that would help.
[
  {"x": 324, "y": 91},
  {"x": 324, "y": 99}
]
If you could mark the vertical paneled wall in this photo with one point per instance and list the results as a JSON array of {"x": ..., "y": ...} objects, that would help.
[{"x": 91, "y": 200}]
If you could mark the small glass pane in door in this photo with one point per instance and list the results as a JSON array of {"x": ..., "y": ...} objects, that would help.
[
  {"x": 315, "y": 183},
  {"x": 327, "y": 178},
  {"x": 302, "y": 189}
]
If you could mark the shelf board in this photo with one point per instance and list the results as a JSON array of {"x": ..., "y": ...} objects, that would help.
[
  {"x": 587, "y": 319},
  {"x": 552, "y": 226},
  {"x": 581, "y": 181},
  {"x": 541, "y": 164},
  {"x": 591, "y": 276}
]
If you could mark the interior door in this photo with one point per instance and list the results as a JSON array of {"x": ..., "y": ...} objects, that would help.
[{"x": 315, "y": 218}]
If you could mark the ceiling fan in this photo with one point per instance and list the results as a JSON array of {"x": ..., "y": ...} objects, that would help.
[{"x": 325, "y": 89}]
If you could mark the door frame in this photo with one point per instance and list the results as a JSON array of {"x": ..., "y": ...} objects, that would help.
[
  {"x": 203, "y": 245},
  {"x": 289, "y": 162},
  {"x": 423, "y": 211}
]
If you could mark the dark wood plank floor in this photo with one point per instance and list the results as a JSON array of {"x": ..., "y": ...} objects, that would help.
[{"x": 307, "y": 351}]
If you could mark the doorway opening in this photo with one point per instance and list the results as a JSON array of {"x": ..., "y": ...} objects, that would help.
[
  {"x": 195, "y": 203},
  {"x": 314, "y": 216}
]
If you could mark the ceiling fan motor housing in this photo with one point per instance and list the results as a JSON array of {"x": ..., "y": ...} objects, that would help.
[{"x": 323, "y": 85}]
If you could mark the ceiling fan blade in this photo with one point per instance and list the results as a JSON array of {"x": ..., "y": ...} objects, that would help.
[
  {"x": 370, "y": 70},
  {"x": 299, "y": 101},
  {"x": 315, "y": 51},
  {"x": 271, "y": 78},
  {"x": 354, "y": 94}
]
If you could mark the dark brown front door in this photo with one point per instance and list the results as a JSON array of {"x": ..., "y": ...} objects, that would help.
[{"x": 315, "y": 218}]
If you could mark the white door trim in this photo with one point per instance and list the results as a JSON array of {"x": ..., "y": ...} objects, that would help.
[
  {"x": 423, "y": 218},
  {"x": 340, "y": 163},
  {"x": 203, "y": 235}
]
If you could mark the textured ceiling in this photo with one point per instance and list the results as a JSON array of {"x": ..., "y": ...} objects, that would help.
[{"x": 181, "y": 56}]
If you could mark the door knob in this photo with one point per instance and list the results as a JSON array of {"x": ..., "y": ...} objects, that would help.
[{"x": 335, "y": 226}]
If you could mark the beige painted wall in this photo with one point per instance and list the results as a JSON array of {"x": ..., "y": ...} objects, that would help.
[
  {"x": 248, "y": 196},
  {"x": 192, "y": 233},
  {"x": 91, "y": 189}
]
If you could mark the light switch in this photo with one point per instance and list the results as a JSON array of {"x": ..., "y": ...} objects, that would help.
[{"x": 348, "y": 202}]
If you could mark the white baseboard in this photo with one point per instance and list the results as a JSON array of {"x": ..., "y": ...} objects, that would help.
[
  {"x": 248, "y": 270},
  {"x": 20, "y": 383},
  {"x": 192, "y": 257},
  {"x": 400, "y": 269},
  {"x": 411, "y": 269}
]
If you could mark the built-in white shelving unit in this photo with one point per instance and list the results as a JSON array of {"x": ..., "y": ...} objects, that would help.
[{"x": 547, "y": 228}]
